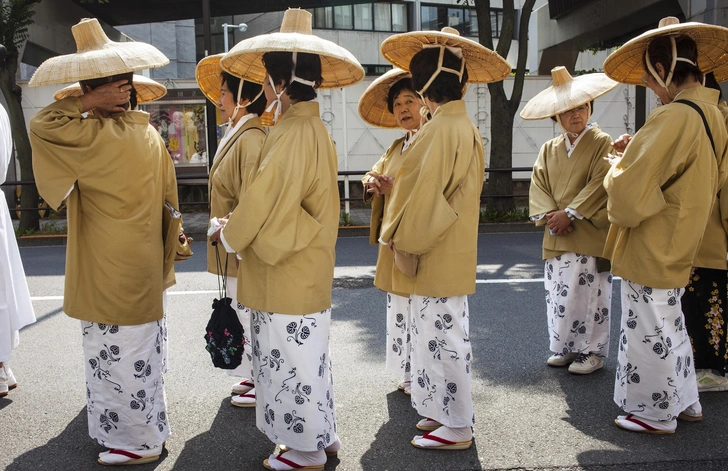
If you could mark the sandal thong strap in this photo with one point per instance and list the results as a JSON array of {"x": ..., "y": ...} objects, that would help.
[
  {"x": 632, "y": 419},
  {"x": 290, "y": 463},
  {"x": 247, "y": 383},
  {"x": 435, "y": 438},
  {"x": 128, "y": 454},
  {"x": 251, "y": 396}
]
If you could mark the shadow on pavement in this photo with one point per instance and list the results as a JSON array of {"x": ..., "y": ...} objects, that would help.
[
  {"x": 387, "y": 452},
  {"x": 71, "y": 449}
]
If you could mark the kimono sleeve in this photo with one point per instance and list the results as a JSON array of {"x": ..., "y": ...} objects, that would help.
[
  {"x": 419, "y": 215},
  {"x": 269, "y": 217},
  {"x": 540, "y": 200},
  {"x": 6, "y": 144},
  {"x": 634, "y": 183},
  {"x": 591, "y": 200},
  {"x": 60, "y": 138}
]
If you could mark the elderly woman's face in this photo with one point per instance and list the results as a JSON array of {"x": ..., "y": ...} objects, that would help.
[
  {"x": 575, "y": 119},
  {"x": 406, "y": 108}
]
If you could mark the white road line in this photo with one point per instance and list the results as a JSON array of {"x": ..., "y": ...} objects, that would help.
[{"x": 212, "y": 291}]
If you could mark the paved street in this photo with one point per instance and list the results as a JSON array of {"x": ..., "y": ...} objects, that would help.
[{"x": 529, "y": 416}]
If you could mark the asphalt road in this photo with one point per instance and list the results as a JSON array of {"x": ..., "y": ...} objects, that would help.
[{"x": 529, "y": 416}]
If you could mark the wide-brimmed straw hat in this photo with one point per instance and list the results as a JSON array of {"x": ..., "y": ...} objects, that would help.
[
  {"x": 626, "y": 64},
  {"x": 483, "y": 65},
  {"x": 97, "y": 57},
  {"x": 566, "y": 93},
  {"x": 339, "y": 68},
  {"x": 373, "y": 104},
  {"x": 207, "y": 74},
  {"x": 147, "y": 90}
]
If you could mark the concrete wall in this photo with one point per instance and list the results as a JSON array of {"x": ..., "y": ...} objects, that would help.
[{"x": 176, "y": 39}]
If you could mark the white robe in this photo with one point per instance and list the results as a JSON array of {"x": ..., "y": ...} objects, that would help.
[{"x": 16, "y": 310}]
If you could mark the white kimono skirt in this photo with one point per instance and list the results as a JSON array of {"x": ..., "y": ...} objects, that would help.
[
  {"x": 398, "y": 336},
  {"x": 655, "y": 373},
  {"x": 578, "y": 300},
  {"x": 441, "y": 358},
  {"x": 126, "y": 403},
  {"x": 16, "y": 310},
  {"x": 245, "y": 369},
  {"x": 293, "y": 379}
]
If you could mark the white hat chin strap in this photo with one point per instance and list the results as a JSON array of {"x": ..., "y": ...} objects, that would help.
[
  {"x": 310, "y": 83},
  {"x": 458, "y": 52},
  {"x": 276, "y": 103},
  {"x": 675, "y": 60},
  {"x": 239, "y": 97}
]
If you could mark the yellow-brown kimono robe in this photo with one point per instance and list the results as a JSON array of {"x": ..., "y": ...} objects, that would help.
[
  {"x": 663, "y": 190},
  {"x": 559, "y": 182},
  {"x": 386, "y": 271},
  {"x": 121, "y": 175},
  {"x": 286, "y": 222},
  {"x": 419, "y": 218},
  {"x": 228, "y": 176}
]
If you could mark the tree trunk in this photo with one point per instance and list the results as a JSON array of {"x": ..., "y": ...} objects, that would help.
[{"x": 13, "y": 96}]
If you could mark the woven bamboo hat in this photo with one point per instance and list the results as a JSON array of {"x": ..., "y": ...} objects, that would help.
[
  {"x": 146, "y": 88},
  {"x": 626, "y": 64},
  {"x": 373, "y": 106},
  {"x": 207, "y": 74},
  {"x": 484, "y": 65},
  {"x": 339, "y": 68},
  {"x": 566, "y": 93},
  {"x": 97, "y": 57}
]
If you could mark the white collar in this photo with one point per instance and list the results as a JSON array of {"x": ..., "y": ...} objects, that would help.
[
  {"x": 571, "y": 146},
  {"x": 230, "y": 132}
]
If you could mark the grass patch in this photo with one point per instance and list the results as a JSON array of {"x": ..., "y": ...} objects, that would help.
[
  {"x": 345, "y": 219},
  {"x": 493, "y": 215},
  {"x": 50, "y": 227}
]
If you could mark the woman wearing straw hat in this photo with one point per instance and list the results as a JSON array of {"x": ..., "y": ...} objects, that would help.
[
  {"x": 433, "y": 215},
  {"x": 660, "y": 195},
  {"x": 705, "y": 298},
  {"x": 144, "y": 90},
  {"x": 284, "y": 228},
  {"x": 241, "y": 102},
  {"x": 391, "y": 102},
  {"x": 567, "y": 198},
  {"x": 113, "y": 173}
]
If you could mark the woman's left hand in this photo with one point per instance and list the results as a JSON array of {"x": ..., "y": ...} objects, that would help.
[
  {"x": 385, "y": 184},
  {"x": 559, "y": 223}
]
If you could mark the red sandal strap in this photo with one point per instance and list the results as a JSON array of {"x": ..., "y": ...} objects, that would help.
[
  {"x": 435, "y": 438},
  {"x": 288, "y": 462},
  {"x": 247, "y": 383},
  {"x": 128, "y": 454},
  {"x": 632, "y": 419},
  {"x": 252, "y": 396}
]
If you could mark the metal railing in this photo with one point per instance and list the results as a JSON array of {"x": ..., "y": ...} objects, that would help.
[{"x": 185, "y": 178}]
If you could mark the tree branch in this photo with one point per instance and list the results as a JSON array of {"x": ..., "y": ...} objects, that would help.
[{"x": 515, "y": 99}]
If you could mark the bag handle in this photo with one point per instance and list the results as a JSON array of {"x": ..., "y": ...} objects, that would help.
[
  {"x": 705, "y": 121},
  {"x": 221, "y": 286}
]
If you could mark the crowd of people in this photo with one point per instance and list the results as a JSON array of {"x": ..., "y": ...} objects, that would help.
[{"x": 648, "y": 208}]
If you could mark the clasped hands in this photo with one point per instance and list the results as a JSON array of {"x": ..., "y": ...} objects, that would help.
[
  {"x": 379, "y": 184},
  {"x": 558, "y": 222}
]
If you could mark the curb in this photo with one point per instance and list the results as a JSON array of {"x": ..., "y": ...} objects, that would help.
[{"x": 43, "y": 240}]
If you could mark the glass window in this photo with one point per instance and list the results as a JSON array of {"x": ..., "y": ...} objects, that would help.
[
  {"x": 471, "y": 19},
  {"x": 363, "y": 16},
  {"x": 495, "y": 22},
  {"x": 455, "y": 18},
  {"x": 343, "y": 18},
  {"x": 323, "y": 18},
  {"x": 399, "y": 17},
  {"x": 383, "y": 17},
  {"x": 429, "y": 19},
  {"x": 182, "y": 127}
]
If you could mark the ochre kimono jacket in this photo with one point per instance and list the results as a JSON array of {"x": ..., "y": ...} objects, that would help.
[
  {"x": 227, "y": 179},
  {"x": 559, "y": 182},
  {"x": 661, "y": 193},
  {"x": 286, "y": 222},
  {"x": 389, "y": 164},
  {"x": 121, "y": 175},
  {"x": 714, "y": 247},
  {"x": 448, "y": 152}
]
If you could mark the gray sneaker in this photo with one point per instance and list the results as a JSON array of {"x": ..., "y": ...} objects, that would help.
[
  {"x": 586, "y": 363},
  {"x": 561, "y": 359}
]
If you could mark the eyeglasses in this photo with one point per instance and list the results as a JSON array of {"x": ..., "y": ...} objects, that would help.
[
  {"x": 578, "y": 109},
  {"x": 644, "y": 79}
]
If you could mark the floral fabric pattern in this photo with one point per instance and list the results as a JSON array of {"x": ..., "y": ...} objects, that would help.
[
  {"x": 126, "y": 402},
  {"x": 578, "y": 301},
  {"x": 703, "y": 304},
  {"x": 655, "y": 376},
  {"x": 441, "y": 360},
  {"x": 398, "y": 336},
  {"x": 293, "y": 379}
]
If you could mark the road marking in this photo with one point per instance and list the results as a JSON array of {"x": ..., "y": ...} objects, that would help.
[{"x": 212, "y": 291}]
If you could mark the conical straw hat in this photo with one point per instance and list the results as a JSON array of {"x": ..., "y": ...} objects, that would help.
[
  {"x": 339, "y": 68},
  {"x": 207, "y": 74},
  {"x": 97, "y": 57},
  {"x": 484, "y": 65},
  {"x": 626, "y": 64},
  {"x": 566, "y": 93},
  {"x": 373, "y": 106},
  {"x": 146, "y": 88}
]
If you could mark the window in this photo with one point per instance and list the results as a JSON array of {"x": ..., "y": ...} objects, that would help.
[
  {"x": 363, "y": 16},
  {"x": 375, "y": 69},
  {"x": 378, "y": 16},
  {"x": 463, "y": 19}
]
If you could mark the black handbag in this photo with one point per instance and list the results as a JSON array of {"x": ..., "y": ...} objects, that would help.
[{"x": 224, "y": 333}]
